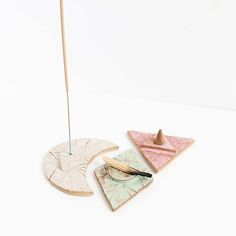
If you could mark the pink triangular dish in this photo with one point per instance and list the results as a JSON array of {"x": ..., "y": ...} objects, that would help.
[{"x": 159, "y": 156}]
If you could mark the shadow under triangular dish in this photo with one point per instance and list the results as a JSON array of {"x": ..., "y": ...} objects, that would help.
[{"x": 159, "y": 155}]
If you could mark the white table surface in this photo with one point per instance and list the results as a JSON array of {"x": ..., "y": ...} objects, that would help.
[{"x": 194, "y": 195}]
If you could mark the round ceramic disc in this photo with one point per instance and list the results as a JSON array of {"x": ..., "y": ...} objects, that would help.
[{"x": 68, "y": 172}]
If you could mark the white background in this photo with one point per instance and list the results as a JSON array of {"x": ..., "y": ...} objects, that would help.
[
  {"x": 124, "y": 56},
  {"x": 194, "y": 195},
  {"x": 180, "y": 51}
]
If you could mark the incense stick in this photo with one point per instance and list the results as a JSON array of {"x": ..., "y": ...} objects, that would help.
[
  {"x": 65, "y": 70},
  {"x": 125, "y": 168}
]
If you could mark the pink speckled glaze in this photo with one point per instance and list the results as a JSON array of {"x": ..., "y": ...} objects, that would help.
[{"x": 156, "y": 157}]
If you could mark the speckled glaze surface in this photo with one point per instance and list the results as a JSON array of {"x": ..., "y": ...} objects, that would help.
[
  {"x": 119, "y": 187},
  {"x": 69, "y": 173},
  {"x": 156, "y": 157}
]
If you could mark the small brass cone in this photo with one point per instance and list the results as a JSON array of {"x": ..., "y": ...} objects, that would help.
[{"x": 160, "y": 139}]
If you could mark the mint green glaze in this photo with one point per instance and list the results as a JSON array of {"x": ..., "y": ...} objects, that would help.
[{"x": 119, "y": 187}]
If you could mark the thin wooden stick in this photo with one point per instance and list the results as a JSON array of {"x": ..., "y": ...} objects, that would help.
[
  {"x": 125, "y": 168},
  {"x": 65, "y": 70}
]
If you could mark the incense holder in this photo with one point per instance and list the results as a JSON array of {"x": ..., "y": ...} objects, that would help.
[
  {"x": 68, "y": 172},
  {"x": 117, "y": 186},
  {"x": 159, "y": 156}
]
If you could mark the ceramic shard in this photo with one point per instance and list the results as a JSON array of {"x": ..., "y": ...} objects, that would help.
[
  {"x": 119, "y": 187},
  {"x": 68, "y": 172},
  {"x": 156, "y": 155}
]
